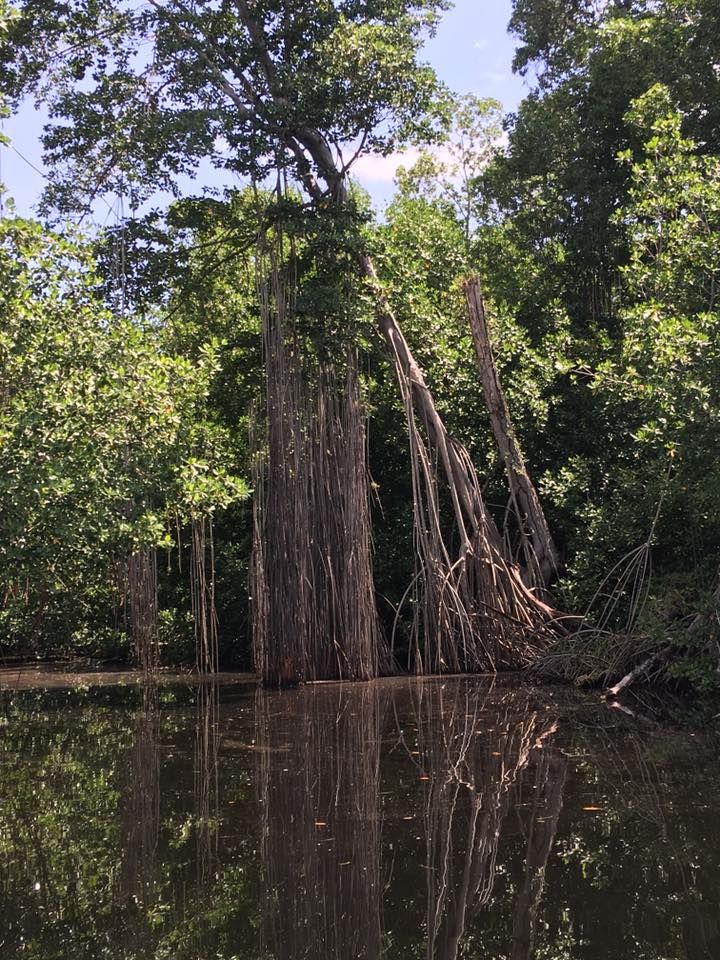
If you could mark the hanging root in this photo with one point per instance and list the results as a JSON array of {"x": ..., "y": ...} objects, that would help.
[
  {"x": 139, "y": 824},
  {"x": 312, "y": 587},
  {"x": 142, "y": 608},
  {"x": 323, "y": 879},
  {"x": 536, "y": 545},
  {"x": 202, "y": 593}
]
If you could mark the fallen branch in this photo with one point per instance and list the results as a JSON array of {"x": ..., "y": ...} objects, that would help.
[{"x": 642, "y": 669}]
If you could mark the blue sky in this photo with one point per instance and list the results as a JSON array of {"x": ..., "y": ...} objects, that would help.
[{"x": 472, "y": 53}]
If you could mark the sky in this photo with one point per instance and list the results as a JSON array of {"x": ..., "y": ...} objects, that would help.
[{"x": 472, "y": 53}]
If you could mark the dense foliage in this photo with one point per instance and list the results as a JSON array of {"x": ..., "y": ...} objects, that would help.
[
  {"x": 106, "y": 444},
  {"x": 595, "y": 231}
]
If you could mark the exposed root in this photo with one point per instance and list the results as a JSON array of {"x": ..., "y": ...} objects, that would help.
[{"x": 472, "y": 610}]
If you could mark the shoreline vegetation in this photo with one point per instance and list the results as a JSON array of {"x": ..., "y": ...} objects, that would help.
[{"x": 271, "y": 427}]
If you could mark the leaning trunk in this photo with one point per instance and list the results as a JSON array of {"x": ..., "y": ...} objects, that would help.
[
  {"x": 475, "y": 610},
  {"x": 541, "y": 558}
]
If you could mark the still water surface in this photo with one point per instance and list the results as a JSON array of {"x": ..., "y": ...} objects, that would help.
[{"x": 438, "y": 819}]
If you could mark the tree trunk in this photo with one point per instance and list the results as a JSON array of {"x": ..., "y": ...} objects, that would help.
[
  {"x": 541, "y": 554},
  {"x": 469, "y": 506}
]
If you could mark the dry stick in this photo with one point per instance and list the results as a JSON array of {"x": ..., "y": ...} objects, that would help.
[
  {"x": 700, "y": 618},
  {"x": 643, "y": 669},
  {"x": 542, "y": 554}
]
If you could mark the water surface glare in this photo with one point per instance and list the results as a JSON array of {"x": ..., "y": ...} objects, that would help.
[{"x": 438, "y": 819}]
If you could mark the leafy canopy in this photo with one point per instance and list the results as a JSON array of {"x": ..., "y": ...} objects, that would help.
[{"x": 139, "y": 95}]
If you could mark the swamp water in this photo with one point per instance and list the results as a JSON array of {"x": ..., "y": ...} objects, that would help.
[{"x": 435, "y": 819}]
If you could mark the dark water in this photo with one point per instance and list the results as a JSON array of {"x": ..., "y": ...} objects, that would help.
[{"x": 444, "y": 819}]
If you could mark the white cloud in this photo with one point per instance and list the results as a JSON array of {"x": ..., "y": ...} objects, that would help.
[
  {"x": 376, "y": 169},
  {"x": 372, "y": 168}
]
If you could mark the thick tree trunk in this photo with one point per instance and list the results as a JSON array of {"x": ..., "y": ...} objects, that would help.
[
  {"x": 314, "y": 614},
  {"x": 541, "y": 554}
]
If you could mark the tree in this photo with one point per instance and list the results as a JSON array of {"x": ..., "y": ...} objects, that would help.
[
  {"x": 450, "y": 175},
  {"x": 103, "y": 439},
  {"x": 667, "y": 367},
  {"x": 301, "y": 91},
  {"x": 256, "y": 89}
]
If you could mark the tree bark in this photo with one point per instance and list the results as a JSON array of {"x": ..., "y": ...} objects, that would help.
[{"x": 541, "y": 554}]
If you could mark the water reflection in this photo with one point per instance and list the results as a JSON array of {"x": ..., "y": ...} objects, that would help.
[
  {"x": 140, "y": 807},
  {"x": 438, "y": 819},
  {"x": 546, "y": 806},
  {"x": 319, "y": 781},
  {"x": 474, "y": 757},
  {"x": 206, "y": 779}
]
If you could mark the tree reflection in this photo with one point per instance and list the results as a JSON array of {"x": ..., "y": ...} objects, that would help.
[
  {"x": 596, "y": 839},
  {"x": 318, "y": 777},
  {"x": 319, "y": 772},
  {"x": 474, "y": 746},
  {"x": 205, "y": 779},
  {"x": 140, "y": 816},
  {"x": 550, "y": 774}
]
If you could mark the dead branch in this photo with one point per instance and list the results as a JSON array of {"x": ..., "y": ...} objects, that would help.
[
  {"x": 643, "y": 669},
  {"x": 542, "y": 558}
]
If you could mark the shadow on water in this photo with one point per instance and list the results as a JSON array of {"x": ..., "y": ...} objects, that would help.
[{"x": 423, "y": 819}]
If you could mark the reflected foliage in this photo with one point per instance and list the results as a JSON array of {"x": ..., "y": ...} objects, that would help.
[{"x": 437, "y": 820}]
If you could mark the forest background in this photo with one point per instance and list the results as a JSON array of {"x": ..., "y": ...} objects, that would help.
[{"x": 131, "y": 355}]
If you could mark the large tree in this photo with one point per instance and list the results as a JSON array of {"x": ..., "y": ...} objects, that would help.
[{"x": 297, "y": 90}]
